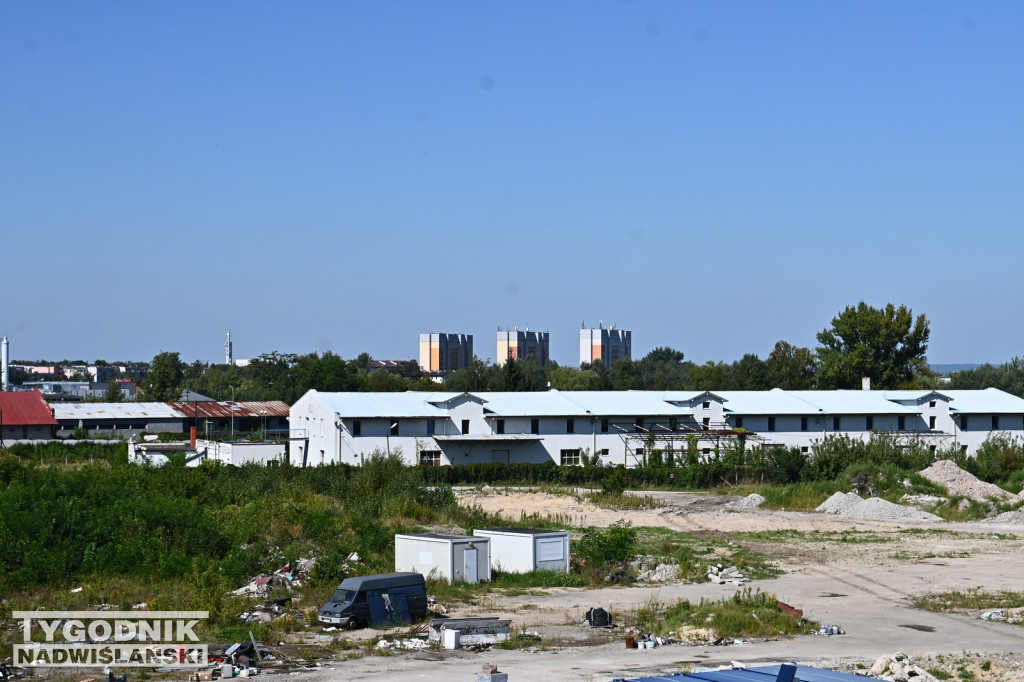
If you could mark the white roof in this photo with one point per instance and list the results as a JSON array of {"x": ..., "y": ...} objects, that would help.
[
  {"x": 852, "y": 402},
  {"x": 386, "y": 405},
  {"x": 531, "y": 404},
  {"x": 988, "y": 401},
  {"x": 775, "y": 401},
  {"x": 130, "y": 410},
  {"x": 627, "y": 403}
]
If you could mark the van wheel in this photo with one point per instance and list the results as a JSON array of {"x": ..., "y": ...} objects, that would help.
[{"x": 352, "y": 624}]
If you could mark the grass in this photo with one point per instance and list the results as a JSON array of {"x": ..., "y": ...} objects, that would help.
[
  {"x": 970, "y": 600},
  {"x": 695, "y": 553},
  {"x": 748, "y": 613},
  {"x": 788, "y": 536}
]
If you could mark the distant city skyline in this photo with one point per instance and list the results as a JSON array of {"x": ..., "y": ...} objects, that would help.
[{"x": 713, "y": 176}]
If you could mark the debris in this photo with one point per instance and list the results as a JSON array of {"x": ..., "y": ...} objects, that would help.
[
  {"x": 662, "y": 573},
  {"x": 598, "y": 618},
  {"x": 750, "y": 501},
  {"x": 76, "y": 590},
  {"x": 829, "y": 630},
  {"x": 726, "y": 576},
  {"x": 899, "y": 667},
  {"x": 783, "y": 606}
]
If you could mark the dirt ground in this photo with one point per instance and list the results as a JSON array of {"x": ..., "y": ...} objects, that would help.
[{"x": 864, "y": 587}]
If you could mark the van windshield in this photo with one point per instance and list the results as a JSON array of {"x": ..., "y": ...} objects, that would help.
[{"x": 344, "y": 595}]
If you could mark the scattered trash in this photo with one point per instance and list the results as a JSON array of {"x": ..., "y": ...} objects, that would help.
[
  {"x": 76, "y": 590},
  {"x": 830, "y": 630},
  {"x": 286, "y": 577},
  {"x": 269, "y": 610},
  {"x": 598, "y": 618}
]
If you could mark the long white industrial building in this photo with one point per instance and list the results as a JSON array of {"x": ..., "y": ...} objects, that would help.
[{"x": 622, "y": 426}]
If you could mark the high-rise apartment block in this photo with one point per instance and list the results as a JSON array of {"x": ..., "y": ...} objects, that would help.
[
  {"x": 606, "y": 345},
  {"x": 445, "y": 352},
  {"x": 523, "y": 344}
]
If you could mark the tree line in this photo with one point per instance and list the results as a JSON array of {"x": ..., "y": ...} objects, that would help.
[{"x": 888, "y": 345}]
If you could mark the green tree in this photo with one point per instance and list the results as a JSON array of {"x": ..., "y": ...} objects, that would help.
[
  {"x": 113, "y": 393},
  {"x": 886, "y": 345},
  {"x": 164, "y": 380},
  {"x": 791, "y": 368}
]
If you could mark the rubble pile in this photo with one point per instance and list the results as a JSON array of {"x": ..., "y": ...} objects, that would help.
[
  {"x": 726, "y": 576},
  {"x": 839, "y": 502},
  {"x": 850, "y": 505},
  {"x": 662, "y": 573},
  {"x": 962, "y": 483},
  {"x": 898, "y": 667},
  {"x": 750, "y": 501},
  {"x": 1014, "y": 517}
]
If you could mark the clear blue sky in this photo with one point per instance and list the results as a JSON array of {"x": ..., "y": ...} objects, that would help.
[{"x": 714, "y": 176}]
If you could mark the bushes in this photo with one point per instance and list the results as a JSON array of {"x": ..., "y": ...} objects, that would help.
[{"x": 615, "y": 544}]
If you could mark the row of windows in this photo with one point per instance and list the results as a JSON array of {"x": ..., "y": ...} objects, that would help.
[{"x": 570, "y": 425}]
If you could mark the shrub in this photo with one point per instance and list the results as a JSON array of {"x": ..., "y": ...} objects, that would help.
[{"x": 615, "y": 544}]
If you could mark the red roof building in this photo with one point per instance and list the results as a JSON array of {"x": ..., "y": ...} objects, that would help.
[{"x": 25, "y": 415}]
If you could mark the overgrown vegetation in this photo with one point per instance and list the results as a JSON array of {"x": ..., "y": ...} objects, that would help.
[
  {"x": 748, "y": 613},
  {"x": 970, "y": 600}
]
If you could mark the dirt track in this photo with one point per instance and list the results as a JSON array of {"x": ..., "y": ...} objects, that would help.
[{"x": 864, "y": 587}]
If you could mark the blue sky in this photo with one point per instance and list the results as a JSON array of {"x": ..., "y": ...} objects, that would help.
[{"x": 714, "y": 176}]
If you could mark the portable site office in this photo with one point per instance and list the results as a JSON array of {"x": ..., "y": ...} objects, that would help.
[
  {"x": 456, "y": 558},
  {"x": 522, "y": 550}
]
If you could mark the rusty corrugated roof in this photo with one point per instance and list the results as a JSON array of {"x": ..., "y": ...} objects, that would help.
[{"x": 238, "y": 408}]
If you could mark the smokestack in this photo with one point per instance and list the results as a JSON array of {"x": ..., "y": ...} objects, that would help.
[
  {"x": 5, "y": 362},
  {"x": 865, "y": 383},
  {"x": 227, "y": 351}
]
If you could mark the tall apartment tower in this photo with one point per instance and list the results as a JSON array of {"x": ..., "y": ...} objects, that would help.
[
  {"x": 445, "y": 352},
  {"x": 606, "y": 345},
  {"x": 523, "y": 344}
]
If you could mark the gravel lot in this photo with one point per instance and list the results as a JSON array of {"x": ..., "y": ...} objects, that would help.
[{"x": 864, "y": 586}]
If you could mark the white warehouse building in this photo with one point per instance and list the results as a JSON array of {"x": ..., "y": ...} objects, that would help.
[{"x": 620, "y": 426}]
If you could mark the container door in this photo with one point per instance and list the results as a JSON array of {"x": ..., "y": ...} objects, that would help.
[{"x": 469, "y": 565}]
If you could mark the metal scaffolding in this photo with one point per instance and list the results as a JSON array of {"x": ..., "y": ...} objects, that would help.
[{"x": 673, "y": 439}]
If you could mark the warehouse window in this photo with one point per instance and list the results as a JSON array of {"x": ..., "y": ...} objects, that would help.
[
  {"x": 465, "y": 426},
  {"x": 771, "y": 423},
  {"x": 963, "y": 423},
  {"x": 901, "y": 423},
  {"x": 869, "y": 423},
  {"x": 430, "y": 458},
  {"x": 394, "y": 429},
  {"x": 837, "y": 423},
  {"x": 604, "y": 426},
  {"x": 738, "y": 421},
  {"x": 570, "y": 457},
  {"x": 534, "y": 426},
  {"x": 931, "y": 422},
  {"x": 570, "y": 425},
  {"x": 803, "y": 423},
  {"x": 705, "y": 423},
  {"x": 500, "y": 426},
  {"x": 995, "y": 422},
  {"x": 357, "y": 428}
]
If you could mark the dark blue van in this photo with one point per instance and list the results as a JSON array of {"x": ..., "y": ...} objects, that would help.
[{"x": 384, "y": 600}]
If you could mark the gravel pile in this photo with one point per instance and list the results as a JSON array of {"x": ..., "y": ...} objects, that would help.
[
  {"x": 852, "y": 506},
  {"x": 839, "y": 502},
  {"x": 882, "y": 510},
  {"x": 1014, "y": 517},
  {"x": 752, "y": 500},
  {"x": 961, "y": 483}
]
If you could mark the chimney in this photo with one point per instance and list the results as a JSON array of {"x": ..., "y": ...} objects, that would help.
[
  {"x": 227, "y": 351},
  {"x": 5, "y": 363},
  {"x": 865, "y": 383}
]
